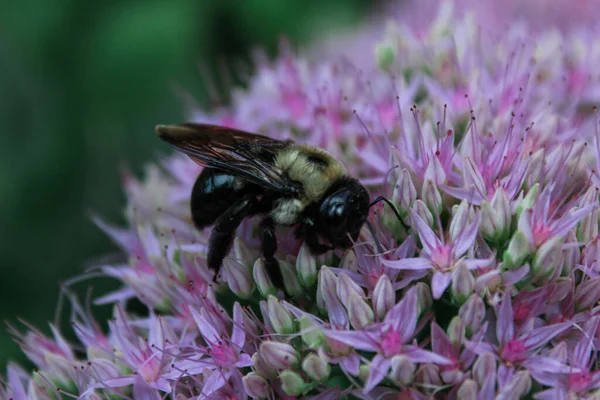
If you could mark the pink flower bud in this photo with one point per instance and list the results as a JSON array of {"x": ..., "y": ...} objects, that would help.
[
  {"x": 359, "y": 312},
  {"x": 424, "y": 299},
  {"x": 456, "y": 330},
  {"x": 518, "y": 387},
  {"x": 345, "y": 287},
  {"x": 548, "y": 257},
  {"x": 349, "y": 261},
  {"x": 587, "y": 293},
  {"x": 461, "y": 217},
  {"x": 316, "y": 367},
  {"x": 261, "y": 277},
  {"x": 384, "y": 297},
  {"x": 463, "y": 283},
  {"x": 431, "y": 196},
  {"x": 422, "y": 211},
  {"x": 278, "y": 355},
  {"x": 571, "y": 253},
  {"x": 238, "y": 278},
  {"x": 428, "y": 374},
  {"x": 260, "y": 367},
  {"x": 468, "y": 390},
  {"x": 282, "y": 320},
  {"x": 472, "y": 314},
  {"x": 306, "y": 266},
  {"x": 292, "y": 383},
  {"x": 256, "y": 386},
  {"x": 290, "y": 279},
  {"x": 496, "y": 217},
  {"x": 402, "y": 370},
  {"x": 484, "y": 366},
  {"x": 587, "y": 228},
  {"x": 243, "y": 255},
  {"x": 405, "y": 193}
]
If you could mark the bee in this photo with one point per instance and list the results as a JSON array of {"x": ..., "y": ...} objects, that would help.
[{"x": 286, "y": 183}]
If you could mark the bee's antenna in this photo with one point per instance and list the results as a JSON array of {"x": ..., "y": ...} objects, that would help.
[{"x": 392, "y": 206}]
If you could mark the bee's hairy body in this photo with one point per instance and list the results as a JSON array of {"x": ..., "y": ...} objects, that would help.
[{"x": 314, "y": 168}]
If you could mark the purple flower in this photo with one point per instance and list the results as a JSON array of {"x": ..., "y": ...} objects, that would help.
[
  {"x": 477, "y": 122},
  {"x": 516, "y": 348},
  {"x": 439, "y": 256},
  {"x": 388, "y": 339}
]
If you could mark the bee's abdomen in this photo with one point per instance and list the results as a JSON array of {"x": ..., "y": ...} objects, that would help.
[{"x": 213, "y": 193}]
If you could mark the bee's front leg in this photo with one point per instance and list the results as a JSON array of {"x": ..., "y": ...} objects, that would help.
[{"x": 268, "y": 249}]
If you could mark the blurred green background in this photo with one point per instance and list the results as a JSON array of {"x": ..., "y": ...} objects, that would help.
[{"x": 82, "y": 84}]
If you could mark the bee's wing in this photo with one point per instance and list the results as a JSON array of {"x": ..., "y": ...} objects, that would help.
[{"x": 245, "y": 155}]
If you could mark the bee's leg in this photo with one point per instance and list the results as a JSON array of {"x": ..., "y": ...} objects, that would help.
[
  {"x": 307, "y": 233},
  {"x": 269, "y": 247},
  {"x": 223, "y": 233}
]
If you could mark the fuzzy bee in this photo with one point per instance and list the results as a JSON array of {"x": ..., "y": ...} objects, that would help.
[{"x": 287, "y": 183}]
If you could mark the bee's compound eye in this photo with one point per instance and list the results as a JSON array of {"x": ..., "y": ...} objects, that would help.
[{"x": 339, "y": 211}]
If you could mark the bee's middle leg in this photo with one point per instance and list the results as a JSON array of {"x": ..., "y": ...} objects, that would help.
[
  {"x": 223, "y": 233},
  {"x": 269, "y": 247}
]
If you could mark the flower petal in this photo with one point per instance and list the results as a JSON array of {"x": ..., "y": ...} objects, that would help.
[
  {"x": 378, "y": 369},
  {"x": 439, "y": 283}
]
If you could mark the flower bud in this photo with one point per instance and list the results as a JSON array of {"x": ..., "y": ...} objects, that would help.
[
  {"x": 456, "y": 331},
  {"x": 529, "y": 200},
  {"x": 517, "y": 252},
  {"x": 472, "y": 314},
  {"x": 359, "y": 312},
  {"x": 587, "y": 228},
  {"x": 345, "y": 287},
  {"x": 402, "y": 370},
  {"x": 384, "y": 297},
  {"x": 484, "y": 366},
  {"x": 435, "y": 171},
  {"x": 363, "y": 372},
  {"x": 424, "y": 300},
  {"x": 518, "y": 387},
  {"x": 571, "y": 254},
  {"x": 587, "y": 293},
  {"x": 278, "y": 355},
  {"x": 463, "y": 283},
  {"x": 431, "y": 196},
  {"x": 290, "y": 279},
  {"x": 292, "y": 383},
  {"x": 261, "y": 277},
  {"x": 316, "y": 367},
  {"x": 306, "y": 266},
  {"x": 429, "y": 374},
  {"x": 349, "y": 262},
  {"x": 460, "y": 219},
  {"x": 405, "y": 193},
  {"x": 238, "y": 278},
  {"x": 422, "y": 211},
  {"x": 256, "y": 386},
  {"x": 312, "y": 336},
  {"x": 260, "y": 367},
  {"x": 282, "y": 321},
  {"x": 242, "y": 253},
  {"x": 548, "y": 257},
  {"x": 496, "y": 217},
  {"x": 468, "y": 390}
]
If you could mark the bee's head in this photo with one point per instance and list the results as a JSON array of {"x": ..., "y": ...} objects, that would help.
[{"x": 343, "y": 212}]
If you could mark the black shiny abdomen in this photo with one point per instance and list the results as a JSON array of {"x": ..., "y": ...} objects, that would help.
[{"x": 213, "y": 193}]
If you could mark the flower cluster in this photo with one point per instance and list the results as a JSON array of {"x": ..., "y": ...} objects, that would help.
[{"x": 485, "y": 138}]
